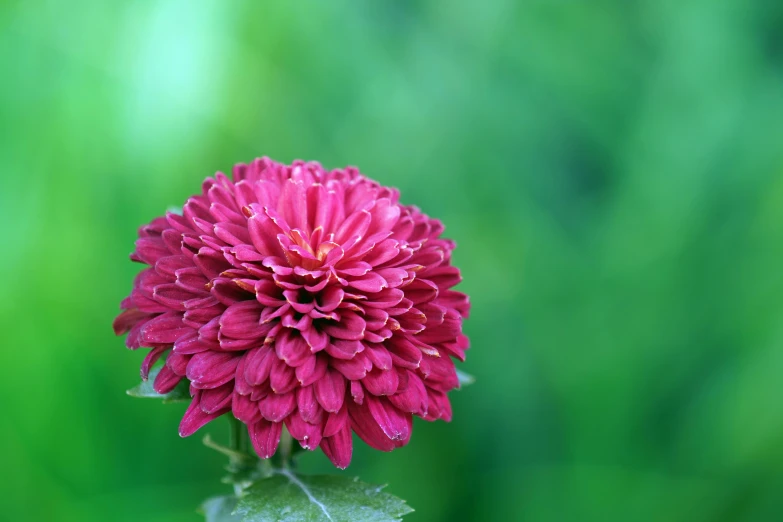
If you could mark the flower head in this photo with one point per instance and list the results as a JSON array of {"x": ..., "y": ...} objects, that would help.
[{"x": 298, "y": 296}]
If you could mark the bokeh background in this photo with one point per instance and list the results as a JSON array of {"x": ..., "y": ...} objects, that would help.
[{"x": 611, "y": 171}]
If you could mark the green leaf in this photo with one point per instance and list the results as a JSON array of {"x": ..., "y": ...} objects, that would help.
[
  {"x": 220, "y": 509},
  {"x": 288, "y": 497},
  {"x": 465, "y": 378},
  {"x": 144, "y": 389}
]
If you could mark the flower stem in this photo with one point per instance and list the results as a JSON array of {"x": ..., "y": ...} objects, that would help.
[
  {"x": 240, "y": 462},
  {"x": 237, "y": 435},
  {"x": 285, "y": 448}
]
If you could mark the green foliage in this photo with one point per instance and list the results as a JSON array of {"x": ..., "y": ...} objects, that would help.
[
  {"x": 146, "y": 391},
  {"x": 289, "y": 497},
  {"x": 611, "y": 170},
  {"x": 465, "y": 379},
  {"x": 221, "y": 509}
]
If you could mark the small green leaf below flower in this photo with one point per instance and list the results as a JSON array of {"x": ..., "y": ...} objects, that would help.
[
  {"x": 220, "y": 509},
  {"x": 145, "y": 390},
  {"x": 465, "y": 378},
  {"x": 286, "y": 496}
]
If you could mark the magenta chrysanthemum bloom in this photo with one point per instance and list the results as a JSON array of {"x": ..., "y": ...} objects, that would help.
[{"x": 297, "y": 296}]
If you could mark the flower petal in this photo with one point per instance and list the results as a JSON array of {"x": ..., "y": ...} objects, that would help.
[
  {"x": 217, "y": 398},
  {"x": 336, "y": 421},
  {"x": 339, "y": 447},
  {"x": 371, "y": 282},
  {"x": 164, "y": 329},
  {"x": 396, "y": 425},
  {"x": 195, "y": 417},
  {"x": 353, "y": 369},
  {"x": 212, "y": 369},
  {"x": 292, "y": 348},
  {"x": 258, "y": 365},
  {"x": 308, "y": 435},
  {"x": 128, "y": 319},
  {"x": 367, "y": 428},
  {"x": 311, "y": 370},
  {"x": 308, "y": 405},
  {"x": 350, "y": 327},
  {"x": 330, "y": 391},
  {"x": 341, "y": 349},
  {"x": 150, "y": 359},
  {"x": 381, "y": 382},
  {"x": 276, "y": 407},
  {"x": 244, "y": 409},
  {"x": 413, "y": 398},
  {"x": 282, "y": 377},
  {"x": 166, "y": 380},
  {"x": 242, "y": 320},
  {"x": 265, "y": 437}
]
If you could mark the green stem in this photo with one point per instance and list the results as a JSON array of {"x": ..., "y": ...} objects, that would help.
[
  {"x": 286, "y": 449},
  {"x": 237, "y": 437},
  {"x": 239, "y": 461}
]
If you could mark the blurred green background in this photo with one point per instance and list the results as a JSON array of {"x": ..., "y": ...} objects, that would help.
[{"x": 612, "y": 172}]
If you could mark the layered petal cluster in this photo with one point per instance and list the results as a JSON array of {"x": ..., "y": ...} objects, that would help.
[{"x": 298, "y": 296}]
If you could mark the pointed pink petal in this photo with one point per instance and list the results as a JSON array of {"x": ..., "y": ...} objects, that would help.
[
  {"x": 350, "y": 327},
  {"x": 128, "y": 319},
  {"x": 341, "y": 349},
  {"x": 336, "y": 421},
  {"x": 268, "y": 293},
  {"x": 381, "y": 382},
  {"x": 330, "y": 298},
  {"x": 178, "y": 363},
  {"x": 166, "y": 380},
  {"x": 282, "y": 378},
  {"x": 371, "y": 282},
  {"x": 382, "y": 252},
  {"x": 242, "y": 320},
  {"x": 413, "y": 398},
  {"x": 308, "y": 435},
  {"x": 311, "y": 370},
  {"x": 192, "y": 280},
  {"x": 265, "y": 437},
  {"x": 150, "y": 249},
  {"x": 366, "y": 427},
  {"x": 386, "y": 299},
  {"x": 395, "y": 424},
  {"x": 258, "y": 365},
  {"x": 164, "y": 329},
  {"x": 315, "y": 338},
  {"x": 150, "y": 359},
  {"x": 357, "y": 392},
  {"x": 353, "y": 369},
  {"x": 172, "y": 296},
  {"x": 292, "y": 204},
  {"x": 354, "y": 226},
  {"x": 212, "y": 369},
  {"x": 421, "y": 291},
  {"x": 330, "y": 391},
  {"x": 379, "y": 356},
  {"x": 216, "y": 399},
  {"x": 403, "y": 352},
  {"x": 210, "y": 263},
  {"x": 263, "y": 234},
  {"x": 307, "y": 405},
  {"x": 339, "y": 447},
  {"x": 232, "y": 233},
  {"x": 244, "y": 409},
  {"x": 275, "y": 407},
  {"x": 292, "y": 348},
  {"x": 195, "y": 418},
  {"x": 439, "y": 406}
]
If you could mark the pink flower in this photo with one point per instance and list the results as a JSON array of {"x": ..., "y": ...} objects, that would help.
[{"x": 297, "y": 296}]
